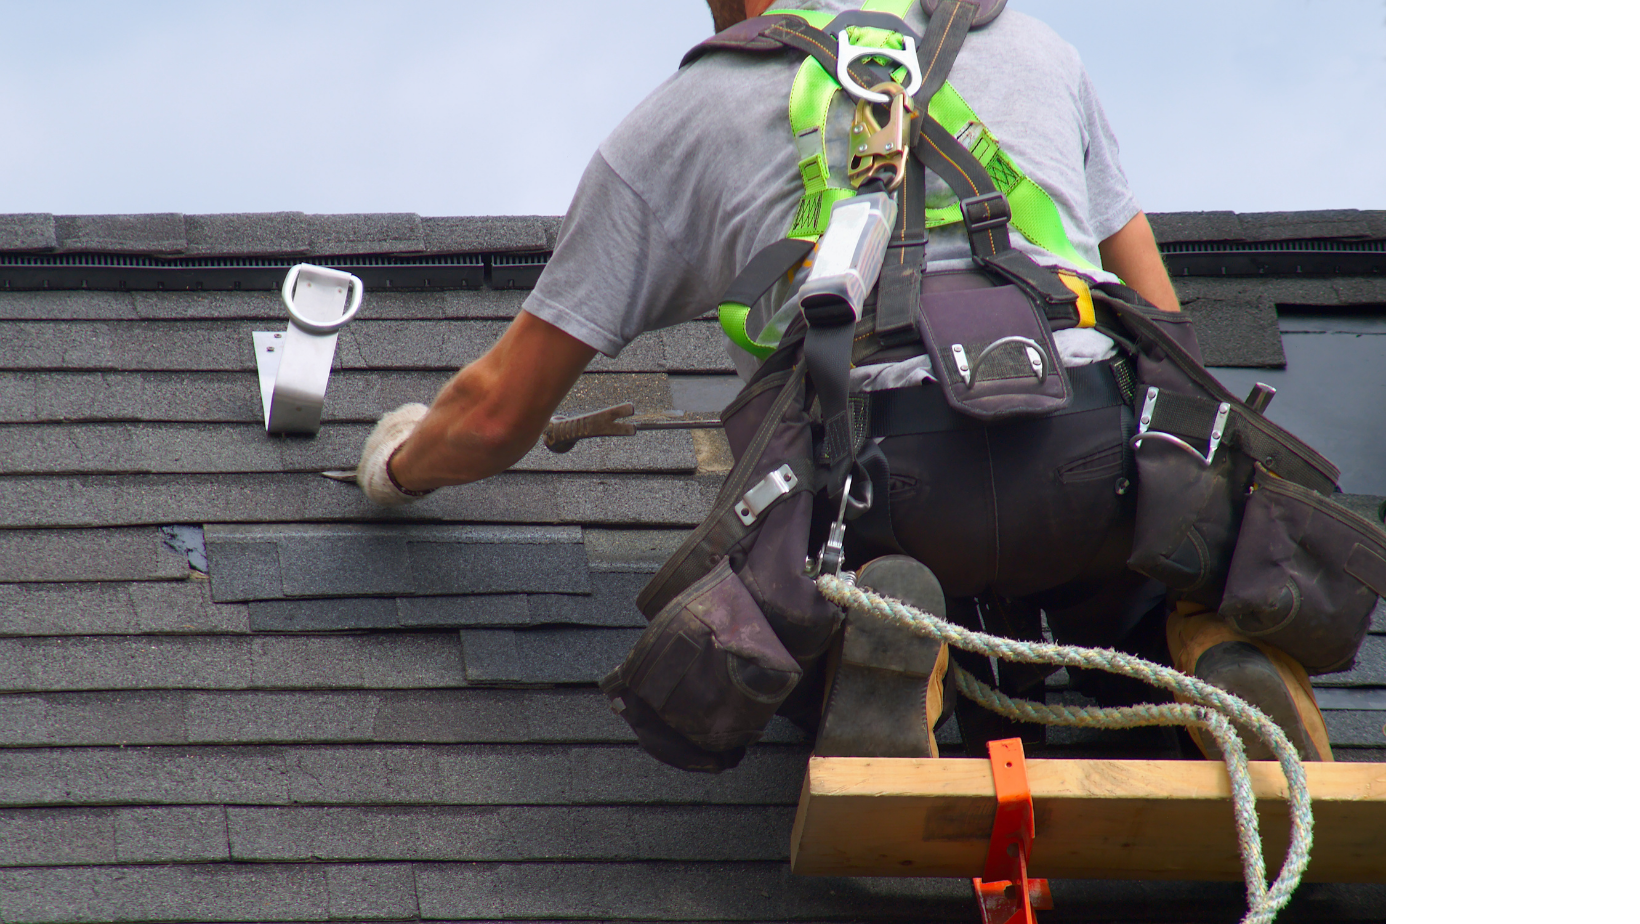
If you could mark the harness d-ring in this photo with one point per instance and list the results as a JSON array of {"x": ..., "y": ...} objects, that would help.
[{"x": 907, "y": 57}]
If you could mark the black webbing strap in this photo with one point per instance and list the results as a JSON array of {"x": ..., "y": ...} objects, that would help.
[
  {"x": 826, "y": 351},
  {"x": 985, "y": 212},
  {"x": 899, "y": 288},
  {"x": 765, "y": 269},
  {"x": 899, "y": 285}
]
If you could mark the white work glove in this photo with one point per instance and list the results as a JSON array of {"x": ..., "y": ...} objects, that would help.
[{"x": 390, "y": 433}]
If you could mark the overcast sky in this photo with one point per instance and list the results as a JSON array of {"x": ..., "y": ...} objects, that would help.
[{"x": 494, "y": 106}]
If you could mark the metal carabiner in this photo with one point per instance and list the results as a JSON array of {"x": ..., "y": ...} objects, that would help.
[
  {"x": 831, "y": 556},
  {"x": 873, "y": 145},
  {"x": 907, "y": 57}
]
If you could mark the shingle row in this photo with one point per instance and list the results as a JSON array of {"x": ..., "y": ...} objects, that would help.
[
  {"x": 388, "y": 661},
  {"x": 45, "y": 449},
  {"x": 651, "y": 891},
  {"x": 275, "y": 561},
  {"x": 352, "y": 396},
  {"x": 225, "y": 346},
  {"x": 550, "y": 654},
  {"x": 385, "y": 774},
  {"x": 1347, "y": 224},
  {"x": 116, "y": 607},
  {"x": 298, "y": 233},
  {"x": 173, "y": 234},
  {"x": 378, "y": 305},
  {"x": 260, "y": 834},
  {"x": 518, "y": 497}
]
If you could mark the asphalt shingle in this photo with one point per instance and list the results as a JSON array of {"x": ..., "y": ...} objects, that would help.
[
  {"x": 117, "y": 608},
  {"x": 233, "y": 397},
  {"x": 346, "y": 560},
  {"x": 129, "y": 554},
  {"x": 158, "y": 233},
  {"x": 551, "y": 654},
  {"x": 27, "y": 231},
  {"x": 378, "y": 233},
  {"x": 388, "y": 775},
  {"x": 609, "y": 604},
  {"x": 443, "y": 833},
  {"x": 493, "y": 234},
  {"x": 769, "y": 892},
  {"x": 1236, "y": 333},
  {"x": 519, "y": 497},
  {"x": 177, "y": 662},
  {"x": 217, "y": 448},
  {"x": 234, "y": 234},
  {"x": 1370, "y": 668}
]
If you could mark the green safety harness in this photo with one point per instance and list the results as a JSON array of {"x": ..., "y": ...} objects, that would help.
[{"x": 946, "y": 136}]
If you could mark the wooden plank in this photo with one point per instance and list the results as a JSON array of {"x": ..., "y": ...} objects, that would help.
[{"x": 1095, "y": 819}]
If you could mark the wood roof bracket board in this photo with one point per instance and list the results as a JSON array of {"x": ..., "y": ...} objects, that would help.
[{"x": 294, "y": 366}]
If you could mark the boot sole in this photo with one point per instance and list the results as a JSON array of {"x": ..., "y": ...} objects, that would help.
[
  {"x": 882, "y": 701},
  {"x": 1241, "y": 669}
]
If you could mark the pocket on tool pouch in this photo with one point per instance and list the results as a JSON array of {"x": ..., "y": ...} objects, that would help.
[
  {"x": 992, "y": 353},
  {"x": 1185, "y": 521},
  {"x": 708, "y": 669},
  {"x": 1306, "y": 576}
]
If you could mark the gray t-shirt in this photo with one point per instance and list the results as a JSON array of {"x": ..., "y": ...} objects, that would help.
[{"x": 703, "y": 174}]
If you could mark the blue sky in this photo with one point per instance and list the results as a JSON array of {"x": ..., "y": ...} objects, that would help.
[{"x": 494, "y": 106}]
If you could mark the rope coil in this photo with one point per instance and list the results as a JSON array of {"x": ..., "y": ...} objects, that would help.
[{"x": 1211, "y": 709}]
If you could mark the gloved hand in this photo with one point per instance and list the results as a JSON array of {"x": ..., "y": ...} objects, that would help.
[{"x": 390, "y": 433}]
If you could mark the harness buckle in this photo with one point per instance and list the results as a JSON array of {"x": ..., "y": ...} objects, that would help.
[{"x": 987, "y": 211}]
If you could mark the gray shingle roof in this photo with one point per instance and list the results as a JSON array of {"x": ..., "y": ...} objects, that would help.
[{"x": 390, "y": 715}]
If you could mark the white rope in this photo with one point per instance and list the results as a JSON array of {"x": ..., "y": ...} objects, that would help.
[{"x": 1211, "y": 709}]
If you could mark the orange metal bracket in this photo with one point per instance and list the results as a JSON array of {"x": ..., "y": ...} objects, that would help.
[{"x": 1006, "y": 893}]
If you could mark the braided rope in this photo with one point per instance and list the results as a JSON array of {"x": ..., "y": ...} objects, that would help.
[{"x": 1211, "y": 709}]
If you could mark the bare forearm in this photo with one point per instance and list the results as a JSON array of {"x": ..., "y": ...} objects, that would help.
[
  {"x": 493, "y": 411},
  {"x": 1131, "y": 254}
]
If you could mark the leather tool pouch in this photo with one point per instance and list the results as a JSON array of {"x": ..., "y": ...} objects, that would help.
[
  {"x": 735, "y": 627},
  {"x": 992, "y": 352},
  {"x": 1306, "y": 576},
  {"x": 1198, "y": 451}
]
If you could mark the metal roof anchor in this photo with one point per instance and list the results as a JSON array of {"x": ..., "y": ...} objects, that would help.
[{"x": 294, "y": 366}]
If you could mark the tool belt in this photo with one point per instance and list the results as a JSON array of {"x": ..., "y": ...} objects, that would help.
[{"x": 1010, "y": 473}]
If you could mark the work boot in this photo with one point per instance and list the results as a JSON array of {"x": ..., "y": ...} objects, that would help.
[
  {"x": 1204, "y": 646},
  {"x": 887, "y": 685}
]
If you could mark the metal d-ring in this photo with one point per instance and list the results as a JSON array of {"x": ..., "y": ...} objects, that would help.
[
  {"x": 321, "y": 274},
  {"x": 846, "y": 53},
  {"x": 1169, "y": 438},
  {"x": 1033, "y": 353}
]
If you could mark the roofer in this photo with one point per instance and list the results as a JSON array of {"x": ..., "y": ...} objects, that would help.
[{"x": 990, "y": 480}]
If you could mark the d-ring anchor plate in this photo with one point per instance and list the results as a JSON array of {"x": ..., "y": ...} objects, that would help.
[{"x": 293, "y": 366}]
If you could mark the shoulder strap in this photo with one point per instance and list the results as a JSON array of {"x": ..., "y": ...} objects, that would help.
[{"x": 984, "y": 10}]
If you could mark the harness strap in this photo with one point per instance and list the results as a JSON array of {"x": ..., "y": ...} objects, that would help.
[
  {"x": 899, "y": 290},
  {"x": 985, "y": 212},
  {"x": 753, "y": 283}
]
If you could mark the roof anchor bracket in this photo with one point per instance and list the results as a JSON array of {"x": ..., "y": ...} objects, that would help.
[
  {"x": 293, "y": 366},
  {"x": 1006, "y": 893}
]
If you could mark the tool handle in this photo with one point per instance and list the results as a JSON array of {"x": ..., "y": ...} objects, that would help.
[{"x": 563, "y": 432}]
